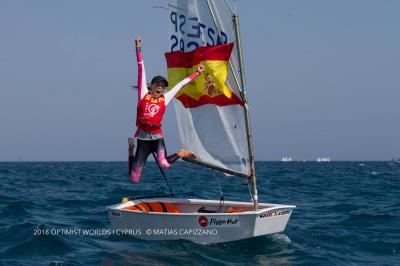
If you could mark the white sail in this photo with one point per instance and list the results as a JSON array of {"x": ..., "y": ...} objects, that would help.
[{"x": 216, "y": 134}]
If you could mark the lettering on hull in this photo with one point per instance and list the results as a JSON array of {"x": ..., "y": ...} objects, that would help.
[
  {"x": 215, "y": 222},
  {"x": 275, "y": 213}
]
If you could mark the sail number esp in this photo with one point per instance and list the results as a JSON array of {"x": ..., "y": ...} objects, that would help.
[{"x": 193, "y": 32}]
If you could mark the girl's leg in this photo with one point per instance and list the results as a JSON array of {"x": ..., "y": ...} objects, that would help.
[
  {"x": 162, "y": 153},
  {"x": 142, "y": 152}
]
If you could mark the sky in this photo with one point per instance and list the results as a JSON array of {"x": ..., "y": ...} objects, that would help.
[{"x": 323, "y": 77}]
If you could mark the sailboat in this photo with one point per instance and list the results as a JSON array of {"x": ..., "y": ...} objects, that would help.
[
  {"x": 286, "y": 159},
  {"x": 214, "y": 122},
  {"x": 323, "y": 159}
]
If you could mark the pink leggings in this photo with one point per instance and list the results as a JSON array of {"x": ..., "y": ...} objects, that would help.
[{"x": 143, "y": 150}]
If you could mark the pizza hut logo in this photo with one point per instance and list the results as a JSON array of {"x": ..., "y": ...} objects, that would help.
[{"x": 203, "y": 221}]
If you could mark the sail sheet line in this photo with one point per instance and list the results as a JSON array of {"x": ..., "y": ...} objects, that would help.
[{"x": 226, "y": 2}]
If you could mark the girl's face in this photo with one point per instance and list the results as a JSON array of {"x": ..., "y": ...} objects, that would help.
[{"x": 157, "y": 89}]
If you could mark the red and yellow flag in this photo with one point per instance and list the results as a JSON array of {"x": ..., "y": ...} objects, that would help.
[{"x": 209, "y": 87}]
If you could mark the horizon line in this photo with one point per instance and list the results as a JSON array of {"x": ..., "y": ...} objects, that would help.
[{"x": 107, "y": 161}]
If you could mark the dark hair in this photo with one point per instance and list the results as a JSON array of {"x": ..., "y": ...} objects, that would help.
[{"x": 158, "y": 79}]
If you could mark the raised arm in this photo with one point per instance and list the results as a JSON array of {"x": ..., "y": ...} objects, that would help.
[
  {"x": 142, "y": 85},
  {"x": 172, "y": 92}
]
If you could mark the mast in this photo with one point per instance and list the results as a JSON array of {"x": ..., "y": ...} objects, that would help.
[{"x": 235, "y": 20}]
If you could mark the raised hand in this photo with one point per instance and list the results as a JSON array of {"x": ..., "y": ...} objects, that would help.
[
  {"x": 200, "y": 68},
  {"x": 138, "y": 42}
]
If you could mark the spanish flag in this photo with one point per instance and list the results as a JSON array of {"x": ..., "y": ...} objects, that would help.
[{"x": 209, "y": 87}]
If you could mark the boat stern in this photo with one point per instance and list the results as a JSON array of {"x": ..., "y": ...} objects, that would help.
[{"x": 272, "y": 220}]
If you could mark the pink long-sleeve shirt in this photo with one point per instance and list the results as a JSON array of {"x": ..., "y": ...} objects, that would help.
[{"x": 142, "y": 84}]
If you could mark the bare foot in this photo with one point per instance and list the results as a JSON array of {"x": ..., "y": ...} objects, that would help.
[{"x": 186, "y": 154}]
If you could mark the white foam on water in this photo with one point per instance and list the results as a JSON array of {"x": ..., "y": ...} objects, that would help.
[{"x": 282, "y": 238}]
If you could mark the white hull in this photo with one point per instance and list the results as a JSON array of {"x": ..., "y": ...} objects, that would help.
[{"x": 199, "y": 227}]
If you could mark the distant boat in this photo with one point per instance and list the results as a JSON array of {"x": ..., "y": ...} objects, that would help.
[
  {"x": 323, "y": 159},
  {"x": 396, "y": 160},
  {"x": 286, "y": 159}
]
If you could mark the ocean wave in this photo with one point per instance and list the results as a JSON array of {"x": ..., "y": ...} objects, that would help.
[
  {"x": 345, "y": 215},
  {"x": 37, "y": 246},
  {"x": 17, "y": 210},
  {"x": 368, "y": 218}
]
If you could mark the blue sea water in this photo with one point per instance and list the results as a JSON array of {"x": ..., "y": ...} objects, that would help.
[{"x": 348, "y": 213}]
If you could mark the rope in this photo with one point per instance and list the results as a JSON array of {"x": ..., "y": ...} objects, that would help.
[
  {"x": 248, "y": 185},
  {"x": 171, "y": 193},
  {"x": 221, "y": 197}
]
